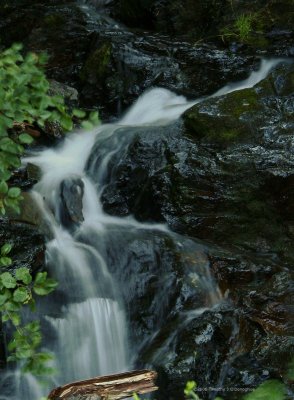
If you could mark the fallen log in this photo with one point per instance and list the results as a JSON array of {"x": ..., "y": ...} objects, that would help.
[{"x": 109, "y": 387}]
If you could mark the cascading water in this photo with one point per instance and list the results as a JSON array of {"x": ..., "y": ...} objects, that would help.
[{"x": 86, "y": 326}]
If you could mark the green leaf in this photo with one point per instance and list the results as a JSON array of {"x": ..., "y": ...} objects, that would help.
[
  {"x": 13, "y": 204},
  {"x": 11, "y": 306},
  {"x": 25, "y": 138},
  {"x": 5, "y": 295},
  {"x": 94, "y": 118},
  {"x": 31, "y": 58},
  {"x": 15, "y": 319},
  {"x": 20, "y": 295},
  {"x": 40, "y": 278},
  {"x": 24, "y": 352},
  {"x": 8, "y": 280},
  {"x": 78, "y": 113},
  {"x": 190, "y": 385},
  {"x": 46, "y": 289},
  {"x": 3, "y": 187},
  {"x": 5, "y": 261},
  {"x": 268, "y": 390},
  {"x": 14, "y": 192},
  {"x": 33, "y": 326},
  {"x": 5, "y": 123},
  {"x": 42, "y": 286},
  {"x": 66, "y": 122},
  {"x": 23, "y": 274},
  {"x": 16, "y": 47},
  {"x": 6, "y": 249},
  {"x": 9, "y": 146},
  {"x": 5, "y": 175},
  {"x": 5, "y": 317},
  {"x": 43, "y": 58},
  {"x": 87, "y": 125}
]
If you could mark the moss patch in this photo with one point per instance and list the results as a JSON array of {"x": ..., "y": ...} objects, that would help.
[
  {"x": 96, "y": 66},
  {"x": 225, "y": 119},
  {"x": 54, "y": 20}
]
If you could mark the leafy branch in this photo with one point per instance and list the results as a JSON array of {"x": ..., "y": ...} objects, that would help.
[
  {"x": 25, "y": 109},
  {"x": 16, "y": 291}
]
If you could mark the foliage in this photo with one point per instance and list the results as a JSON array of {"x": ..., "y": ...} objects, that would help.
[
  {"x": 268, "y": 390},
  {"x": 243, "y": 26},
  {"x": 189, "y": 390},
  {"x": 25, "y": 102},
  {"x": 241, "y": 29},
  {"x": 17, "y": 290}
]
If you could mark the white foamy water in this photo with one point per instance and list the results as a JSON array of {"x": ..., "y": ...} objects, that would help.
[
  {"x": 255, "y": 77},
  {"x": 85, "y": 319},
  {"x": 156, "y": 106},
  {"x": 104, "y": 352}
]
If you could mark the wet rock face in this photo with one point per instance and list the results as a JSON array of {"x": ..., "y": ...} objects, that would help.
[
  {"x": 111, "y": 65},
  {"x": 28, "y": 243},
  {"x": 220, "y": 176},
  {"x": 58, "y": 28},
  {"x": 161, "y": 276},
  {"x": 270, "y": 22},
  {"x": 225, "y": 176},
  {"x": 120, "y": 67},
  {"x": 71, "y": 201}
]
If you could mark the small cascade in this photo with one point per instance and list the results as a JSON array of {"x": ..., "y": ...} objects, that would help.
[
  {"x": 85, "y": 320},
  {"x": 104, "y": 352}
]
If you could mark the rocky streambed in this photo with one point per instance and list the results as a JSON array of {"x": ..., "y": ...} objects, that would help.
[{"x": 221, "y": 177}]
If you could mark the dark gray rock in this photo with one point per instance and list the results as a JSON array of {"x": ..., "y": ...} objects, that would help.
[{"x": 71, "y": 201}]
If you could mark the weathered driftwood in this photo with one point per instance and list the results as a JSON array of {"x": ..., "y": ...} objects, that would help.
[{"x": 110, "y": 387}]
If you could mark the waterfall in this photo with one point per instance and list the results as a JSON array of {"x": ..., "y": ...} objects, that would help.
[{"x": 85, "y": 322}]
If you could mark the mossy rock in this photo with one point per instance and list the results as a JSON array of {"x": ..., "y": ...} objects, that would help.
[
  {"x": 241, "y": 116},
  {"x": 53, "y": 21},
  {"x": 96, "y": 67},
  {"x": 225, "y": 119}
]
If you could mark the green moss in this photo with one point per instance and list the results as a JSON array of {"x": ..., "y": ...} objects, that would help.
[
  {"x": 239, "y": 102},
  {"x": 224, "y": 120},
  {"x": 54, "y": 20},
  {"x": 96, "y": 66},
  {"x": 223, "y": 136}
]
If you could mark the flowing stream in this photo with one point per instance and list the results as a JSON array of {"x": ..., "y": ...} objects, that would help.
[{"x": 84, "y": 321}]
